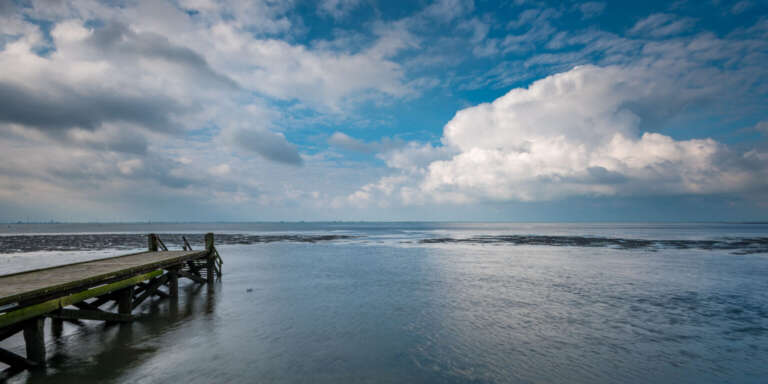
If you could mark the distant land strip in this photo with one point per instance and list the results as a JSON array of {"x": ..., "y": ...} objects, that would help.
[{"x": 97, "y": 241}]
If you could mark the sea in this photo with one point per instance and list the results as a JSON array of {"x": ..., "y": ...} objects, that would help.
[{"x": 423, "y": 303}]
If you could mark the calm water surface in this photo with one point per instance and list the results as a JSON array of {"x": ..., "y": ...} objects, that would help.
[{"x": 384, "y": 306}]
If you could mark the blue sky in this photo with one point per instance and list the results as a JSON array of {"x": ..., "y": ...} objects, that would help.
[{"x": 370, "y": 110}]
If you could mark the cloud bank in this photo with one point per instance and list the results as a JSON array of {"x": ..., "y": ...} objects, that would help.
[
  {"x": 148, "y": 109},
  {"x": 575, "y": 133}
]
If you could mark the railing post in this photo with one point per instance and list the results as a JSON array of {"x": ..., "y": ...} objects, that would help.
[
  {"x": 211, "y": 257},
  {"x": 34, "y": 338},
  {"x": 152, "y": 242}
]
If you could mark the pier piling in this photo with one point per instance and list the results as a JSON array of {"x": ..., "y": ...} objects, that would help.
[
  {"x": 211, "y": 257},
  {"x": 173, "y": 282},
  {"x": 125, "y": 301},
  {"x": 34, "y": 337}
]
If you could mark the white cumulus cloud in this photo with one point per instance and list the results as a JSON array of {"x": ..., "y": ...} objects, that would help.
[{"x": 571, "y": 134}]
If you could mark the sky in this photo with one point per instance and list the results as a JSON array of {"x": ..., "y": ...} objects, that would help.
[{"x": 453, "y": 110}]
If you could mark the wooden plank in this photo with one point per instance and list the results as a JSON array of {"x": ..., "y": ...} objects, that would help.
[
  {"x": 10, "y": 331},
  {"x": 139, "y": 288},
  {"x": 193, "y": 267},
  {"x": 26, "y": 286},
  {"x": 15, "y": 360},
  {"x": 85, "y": 306},
  {"x": 219, "y": 262},
  {"x": 191, "y": 276},
  {"x": 161, "y": 244},
  {"x": 101, "y": 300},
  {"x": 151, "y": 289},
  {"x": 36, "y": 310},
  {"x": 77, "y": 314}
]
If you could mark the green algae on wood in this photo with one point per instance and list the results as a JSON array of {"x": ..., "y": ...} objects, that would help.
[{"x": 40, "y": 309}]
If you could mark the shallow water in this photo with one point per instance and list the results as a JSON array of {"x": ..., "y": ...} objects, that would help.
[{"x": 382, "y": 306}]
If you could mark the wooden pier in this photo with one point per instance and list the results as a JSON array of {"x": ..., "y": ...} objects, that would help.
[{"x": 77, "y": 292}]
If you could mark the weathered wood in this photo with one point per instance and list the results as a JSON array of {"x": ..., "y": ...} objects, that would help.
[
  {"x": 219, "y": 262},
  {"x": 45, "y": 284},
  {"x": 15, "y": 360},
  {"x": 173, "y": 282},
  {"x": 85, "y": 306},
  {"x": 57, "y": 327},
  {"x": 193, "y": 267},
  {"x": 208, "y": 241},
  {"x": 152, "y": 242},
  {"x": 191, "y": 276},
  {"x": 138, "y": 289},
  {"x": 187, "y": 247},
  {"x": 125, "y": 300},
  {"x": 210, "y": 272},
  {"x": 211, "y": 257},
  {"x": 161, "y": 244},
  {"x": 36, "y": 310},
  {"x": 78, "y": 314},
  {"x": 34, "y": 337},
  {"x": 151, "y": 289},
  {"x": 27, "y": 298},
  {"x": 10, "y": 331},
  {"x": 101, "y": 300}
]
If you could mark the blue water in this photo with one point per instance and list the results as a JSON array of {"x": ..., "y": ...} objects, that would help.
[{"x": 378, "y": 303}]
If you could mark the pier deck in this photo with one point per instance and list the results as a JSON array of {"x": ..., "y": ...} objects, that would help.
[
  {"x": 50, "y": 281},
  {"x": 75, "y": 292}
]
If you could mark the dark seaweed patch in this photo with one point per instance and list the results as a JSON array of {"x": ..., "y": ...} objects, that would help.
[{"x": 740, "y": 246}]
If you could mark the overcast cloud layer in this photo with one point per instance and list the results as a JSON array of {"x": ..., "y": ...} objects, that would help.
[{"x": 263, "y": 110}]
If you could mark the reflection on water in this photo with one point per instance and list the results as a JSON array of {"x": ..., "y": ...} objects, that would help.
[
  {"x": 458, "y": 313},
  {"x": 100, "y": 352}
]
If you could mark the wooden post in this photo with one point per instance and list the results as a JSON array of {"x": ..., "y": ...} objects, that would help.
[
  {"x": 34, "y": 337},
  {"x": 211, "y": 256},
  {"x": 57, "y": 327},
  {"x": 152, "y": 242},
  {"x": 173, "y": 283},
  {"x": 125, "y": 301}
]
